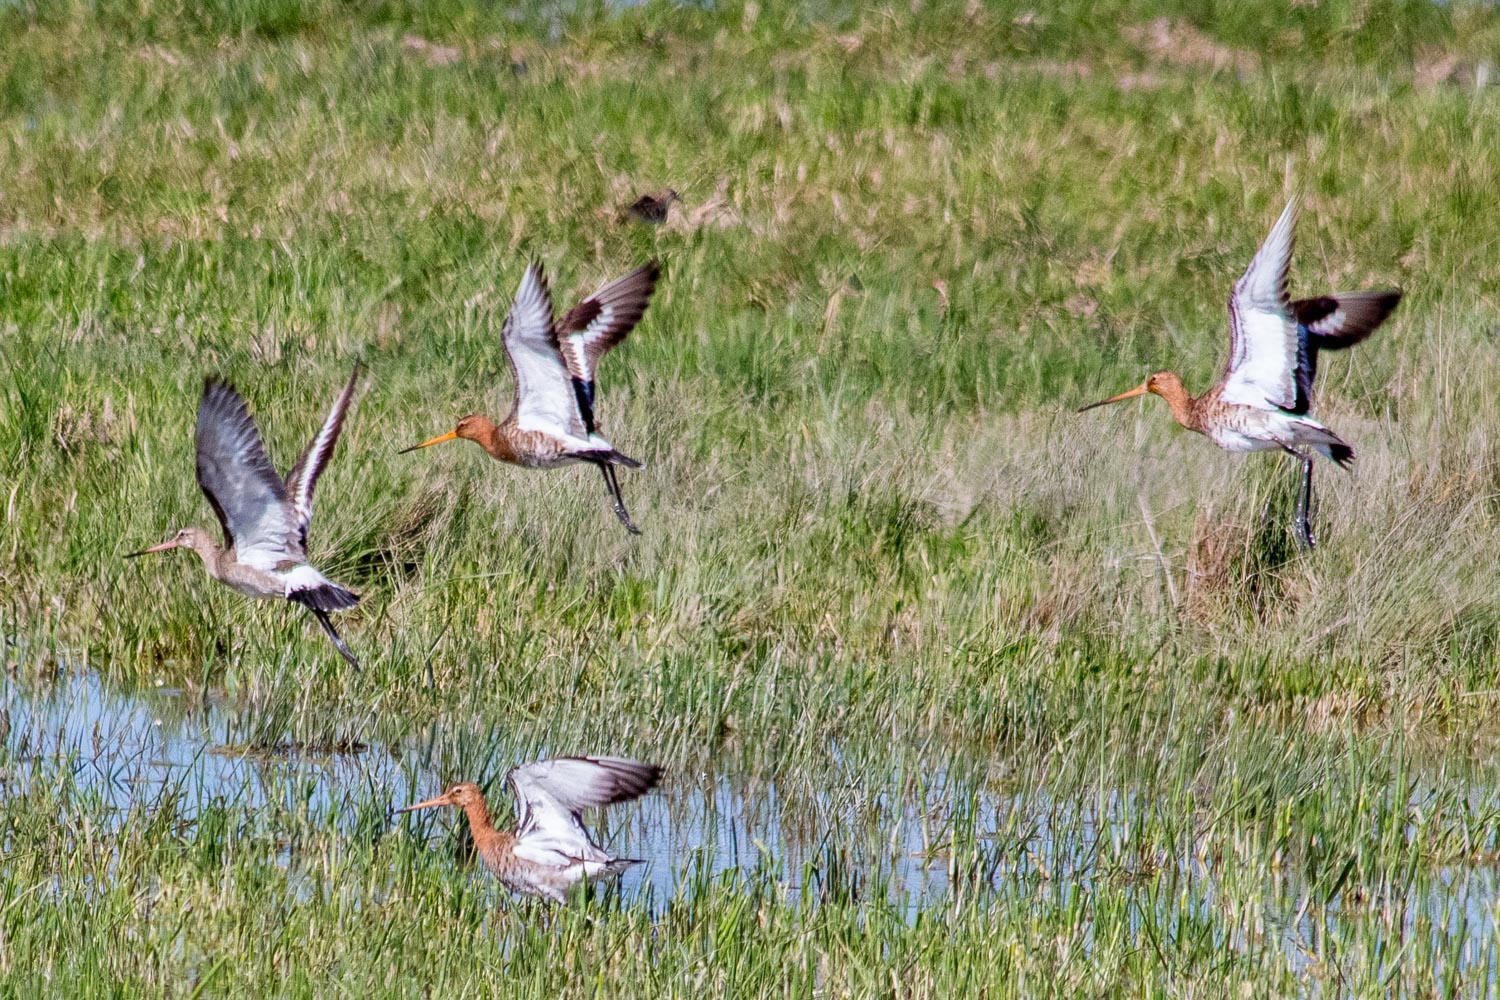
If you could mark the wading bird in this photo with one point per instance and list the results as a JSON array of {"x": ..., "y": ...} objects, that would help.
[
  {"x": 264, "y": 517},
  {"x": 551, "y": 420},
  {"x": 550, "y": 851},
  {"x": 1263, "y": 400}
]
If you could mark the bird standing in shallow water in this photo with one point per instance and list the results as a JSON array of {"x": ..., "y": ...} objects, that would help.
[
  {"x": 551, "y": 420},
  {"x": 1263, "y": 399},
  {"x": 550, "y": 851},
  {"x": 264, "y": 517}
]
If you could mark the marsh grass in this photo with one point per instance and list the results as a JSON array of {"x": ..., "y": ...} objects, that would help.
[{"x": 883, "y": 560}]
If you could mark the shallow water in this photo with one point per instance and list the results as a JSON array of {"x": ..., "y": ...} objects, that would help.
[{"x": 957, "y": 841}]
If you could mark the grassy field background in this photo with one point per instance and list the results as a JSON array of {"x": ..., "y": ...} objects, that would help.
[{"x": 885, "y": 569}]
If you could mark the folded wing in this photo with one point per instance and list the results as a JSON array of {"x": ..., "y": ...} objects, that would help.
[
  {"x": 1263, "y": 330},
  {"x": 240, "y": 483}
]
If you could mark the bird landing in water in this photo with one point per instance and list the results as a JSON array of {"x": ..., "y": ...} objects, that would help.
[
  {"x": 550, "y": 851},
  {"x": 1263, "y": 400}
]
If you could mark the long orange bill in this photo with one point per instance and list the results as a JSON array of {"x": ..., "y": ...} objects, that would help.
[
  {"x": 427, "y": 444},
  {"x": 164, "y": 546},
  {"x": 1139, "y": 390},
  {"x": 441, "y": 800}
]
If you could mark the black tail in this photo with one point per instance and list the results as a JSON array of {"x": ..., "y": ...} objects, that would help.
[
  {"x": 618, "y": 866},
  {"x": 338, "y": 642},
  {"x": 329, "y": 597},
  {"x": 607, "y": 458},
  {"x": 1324, "y": 442}
]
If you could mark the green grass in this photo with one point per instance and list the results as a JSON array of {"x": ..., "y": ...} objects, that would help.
[{"x": 879, "y": 546}]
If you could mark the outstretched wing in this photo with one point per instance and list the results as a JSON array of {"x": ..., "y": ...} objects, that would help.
[
  {"x": 240, "y": 483},
  {"x": 301, "y": 481},
  {"x": 595, "y": 325},
  {"x": 544, "y": 398},
  {"x": 1332, "y": 323},
  {"x": 552, "y": 794},
  {"x": 1262, "y": 327}
]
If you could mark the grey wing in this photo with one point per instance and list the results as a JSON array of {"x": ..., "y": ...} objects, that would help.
[
  {"x": 544, "y": 398},
  {"x": 1262, "y": 327},
  {"x": 552, "y": 794},
  {"x": 240, "y": 483},
  {"x": 303, "y": 477}
]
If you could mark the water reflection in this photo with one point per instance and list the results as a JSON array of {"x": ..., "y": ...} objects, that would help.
[{"x": 922, "y": 836}]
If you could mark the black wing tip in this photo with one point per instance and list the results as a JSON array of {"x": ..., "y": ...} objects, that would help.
[
  {"x": 218, "y": 385},
  {"x": 1342, "y": 454},
  {"x": 634, "y": 778},
  {"x": 648, "y": 274},
  {"x": 1362, "y": 314}
]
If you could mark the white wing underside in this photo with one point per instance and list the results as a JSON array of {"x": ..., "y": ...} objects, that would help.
[
  {"x": 1262, "y": 367},
  {"x": 544, "y": 399},
  {"x": 550, "y": 795}
]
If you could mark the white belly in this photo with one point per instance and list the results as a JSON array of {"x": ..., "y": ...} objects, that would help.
[{"x": 1233, "y": 440}]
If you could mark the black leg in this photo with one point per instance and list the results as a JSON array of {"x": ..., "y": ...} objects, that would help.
[
  {"x": 323, "y": 620},
  {"x": 1304, "y": 506},
  {"x": 613, "y": 483}
]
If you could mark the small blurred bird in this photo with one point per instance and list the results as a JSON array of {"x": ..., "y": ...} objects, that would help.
[{"x": 652, "y": 208}]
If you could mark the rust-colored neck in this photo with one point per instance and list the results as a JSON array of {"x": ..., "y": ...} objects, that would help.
[
  {"x": 479, "y": 817},
  {"x": 483, "y": 432},
  {"x": 1184, "y": 407},
  {"x": 493, "y": 845}
]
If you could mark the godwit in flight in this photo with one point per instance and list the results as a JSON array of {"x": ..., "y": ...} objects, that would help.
[
  {"x": 264, "y": 517},
  {"x": 549, "y": 852},
  {"x": 551, "y": 420},
  {"x": 1263, "y": 400}
]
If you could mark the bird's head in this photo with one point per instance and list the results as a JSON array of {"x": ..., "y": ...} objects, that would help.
[
  {"x": 1164, "y": 384},
  {"x": 187, "y": 538},
  {"x": 474, "y": 427},
  {"x": 464, "y": 794}
]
